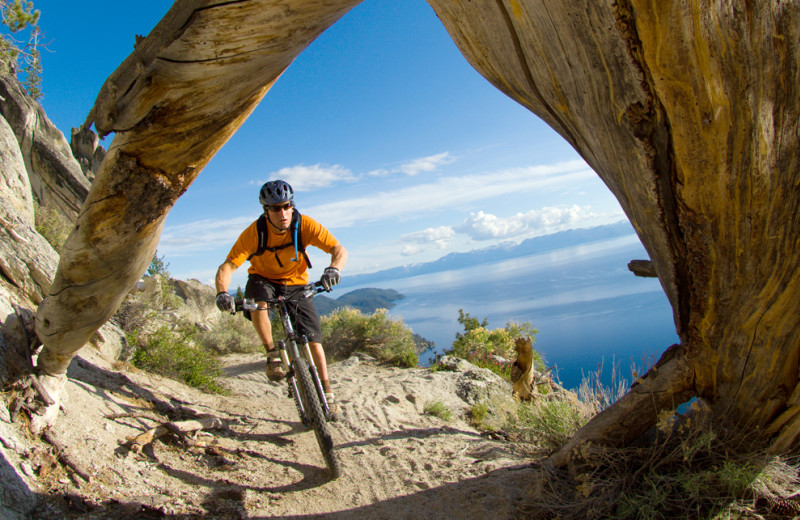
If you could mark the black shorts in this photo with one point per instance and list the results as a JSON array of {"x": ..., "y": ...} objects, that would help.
[{"x": 302, "y": 312}]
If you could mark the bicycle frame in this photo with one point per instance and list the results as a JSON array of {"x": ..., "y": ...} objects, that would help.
[
  {"x": 290, "y": 346},
  {"x": 301, "y": 374}
]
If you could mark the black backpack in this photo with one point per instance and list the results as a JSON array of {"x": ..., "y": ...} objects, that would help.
[{"x": 262, "y": 228}]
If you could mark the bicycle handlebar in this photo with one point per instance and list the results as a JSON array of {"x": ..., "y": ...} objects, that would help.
[{"x": 248, "y": 304}]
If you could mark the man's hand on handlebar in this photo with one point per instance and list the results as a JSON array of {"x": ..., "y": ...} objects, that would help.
[
  {"x": 330, "y": 277},
  {"x": 225, "y": 302}
]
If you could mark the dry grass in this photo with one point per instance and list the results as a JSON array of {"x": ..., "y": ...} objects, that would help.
[{"x": 691, "y": 468}]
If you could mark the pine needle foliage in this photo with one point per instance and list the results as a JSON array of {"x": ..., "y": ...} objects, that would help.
[{"x": 20, "y": 43}]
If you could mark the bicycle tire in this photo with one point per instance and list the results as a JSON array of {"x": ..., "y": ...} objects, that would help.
[
  {"x": 316, "y": 416},
  {"x": 298, "y": 402}
]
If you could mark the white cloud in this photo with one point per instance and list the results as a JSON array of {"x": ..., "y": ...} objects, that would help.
[
  {"x": 202, "y": 235},
  {"x": 441, "y": 236},
  {"x": 310, "y": 178},
  {"x": 411, "y": 250},
  {"x": 448, "y": 192},
  {"x": 485, "y": 226},
  {"x": 425, "y": 164}
]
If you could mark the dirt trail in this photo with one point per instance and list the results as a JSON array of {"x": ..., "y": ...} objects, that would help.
[{"x": 397, "y": 461}]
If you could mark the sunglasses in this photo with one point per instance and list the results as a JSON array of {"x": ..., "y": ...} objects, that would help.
[{"x": 279, "y": 207}]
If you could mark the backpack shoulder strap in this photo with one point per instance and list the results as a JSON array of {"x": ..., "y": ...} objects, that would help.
[
  {"x": 262, "y": 229},
  {"x": 297, "y": 236}
]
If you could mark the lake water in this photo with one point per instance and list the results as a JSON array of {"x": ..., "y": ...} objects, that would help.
[{"x": 588, "y": 307}]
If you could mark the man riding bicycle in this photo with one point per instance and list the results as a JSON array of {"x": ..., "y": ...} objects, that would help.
[{"x": 279, "y": 266}]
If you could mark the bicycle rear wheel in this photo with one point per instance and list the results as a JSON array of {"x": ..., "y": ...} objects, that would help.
[{"x": 316, "y": 415}]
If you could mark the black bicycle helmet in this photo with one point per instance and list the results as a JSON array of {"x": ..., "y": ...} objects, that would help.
[{"x": 275, "y": 192}]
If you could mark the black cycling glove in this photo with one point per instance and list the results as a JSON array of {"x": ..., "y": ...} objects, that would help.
[
  {"x": 225, "y": 302},
  {"x": 330, "y": 277}
]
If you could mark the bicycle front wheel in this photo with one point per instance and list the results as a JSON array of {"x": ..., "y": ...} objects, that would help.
[{"x": 316, "y": 415}]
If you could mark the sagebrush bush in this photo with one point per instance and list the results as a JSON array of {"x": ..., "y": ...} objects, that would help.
[
  {"x": 348, "y": 330},
  {"x": 231, "y": 334},
  {"x": 140, "y": 311},
  {"x": 695, "y": 467},
  {"x": 172, "y": 353}
]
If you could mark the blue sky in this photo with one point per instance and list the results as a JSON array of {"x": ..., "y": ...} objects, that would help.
[{"x": 388, "y": 136}]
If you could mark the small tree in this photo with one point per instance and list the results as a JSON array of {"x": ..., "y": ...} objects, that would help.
[
  {"x": 17, "y": 16},
  {"x": 492, "y": 349},
  {"x": 158, "y": 267}
]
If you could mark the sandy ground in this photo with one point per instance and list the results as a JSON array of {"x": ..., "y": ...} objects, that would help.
[{"x": 398, "y": 462}]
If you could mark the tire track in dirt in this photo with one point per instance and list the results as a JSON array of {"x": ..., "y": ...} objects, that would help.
[{"x": 398, "y": 462}]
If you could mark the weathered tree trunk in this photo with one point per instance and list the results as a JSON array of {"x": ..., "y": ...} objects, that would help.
[
  {"x": 173, "y": 103},
  {"x": 687, "y": 110},
  {"x": 689, "y": 113}
]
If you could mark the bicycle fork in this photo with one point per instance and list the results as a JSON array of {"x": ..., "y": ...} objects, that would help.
[
  {"x": 315, "y": 375},
  {"x": 294, "y": 391}
]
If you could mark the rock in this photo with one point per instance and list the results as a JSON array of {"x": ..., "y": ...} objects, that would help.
[
  {"x": 482, "y": 385},
  {"x": 27, "y": 261},
  {"x": 83, "y": 143},
  {"x": 198, "y": 301},
  {"x": 454, "y": 364},
  {"x": 55, "y": 176},
  {"x": 86, "y": 149},
  {"x": 15, "y": 196}
]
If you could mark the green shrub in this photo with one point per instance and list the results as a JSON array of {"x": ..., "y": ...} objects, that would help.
[
  {"x": 53, "y": 225},
  {"x": 482, "y": 347},
  {"x": 231, "y": 333},
  {"x": 438, "y": 409},
  {"x": 347, "y": 330},
  {"x": 171, "y": 353}
]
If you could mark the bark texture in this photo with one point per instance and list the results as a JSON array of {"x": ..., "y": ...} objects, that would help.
[
  {"x": 172, "y": 104},
  {"x": 688, "y": 111}
]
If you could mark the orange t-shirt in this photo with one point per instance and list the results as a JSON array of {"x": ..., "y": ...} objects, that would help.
[{"x": 267, "y": 265}]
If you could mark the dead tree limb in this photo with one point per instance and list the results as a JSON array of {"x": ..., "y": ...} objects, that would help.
[{"x": 179, "y": 428}]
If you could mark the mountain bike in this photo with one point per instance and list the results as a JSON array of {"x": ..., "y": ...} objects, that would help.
[{"x": 302, "y": 378}]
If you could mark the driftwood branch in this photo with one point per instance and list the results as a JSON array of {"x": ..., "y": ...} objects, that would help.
[{"x": 179, "y": 428}]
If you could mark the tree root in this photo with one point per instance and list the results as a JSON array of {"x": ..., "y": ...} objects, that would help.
[
  {"x": 665, "y": 386},
  {"x": 64, "y": 456}
]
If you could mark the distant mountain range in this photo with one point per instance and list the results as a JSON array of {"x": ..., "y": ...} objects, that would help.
[
  {"x": 498, "y": 253},
  {"x": 365, "y": 300},
  {"x": 368, "y": 300}
]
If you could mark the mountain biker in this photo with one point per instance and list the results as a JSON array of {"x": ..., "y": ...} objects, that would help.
[{"x": 280, "y": 270}]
